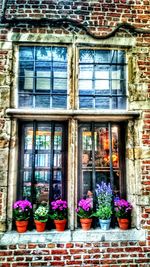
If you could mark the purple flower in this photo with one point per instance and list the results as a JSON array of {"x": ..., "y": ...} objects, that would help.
[
  {"x": 59, "y": 209},
  {"x": 22, "y": 209},
  {"x": 122, "y": 208},
  {"x": 84, "y": 209}
]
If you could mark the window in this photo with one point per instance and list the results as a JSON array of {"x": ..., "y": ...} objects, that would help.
[
  {"x": 43, "y": 161},
  {"x": 101, "y": 157},
  {"x": 65, "y": 155},
  {"x": 102, "y": 79},
  {"x": 43, "y": 77}
]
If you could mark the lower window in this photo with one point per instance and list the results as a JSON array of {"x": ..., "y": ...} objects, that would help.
[
  {"x": 43, "y": 161},
  {"x": 101, "y": 157}
]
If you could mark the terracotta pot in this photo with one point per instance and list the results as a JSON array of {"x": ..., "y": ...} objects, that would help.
[
  {"x": 86, "y": 224},
  {"x": 40, "y": 226},
  {"x": 60, "y": 225},
  {"x": 21, "y": 226},
  {"x": 123, "y": 223}
]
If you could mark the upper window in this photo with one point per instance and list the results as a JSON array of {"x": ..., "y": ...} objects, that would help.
[
  {"x": 43, "y": 77},
  {"x": 102, "y": 79}
]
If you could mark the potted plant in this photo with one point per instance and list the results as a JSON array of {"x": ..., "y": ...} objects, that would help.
[
  {"x": 21, "y": 214},
  {"x": 104, "y": 213},
  {"x": 123, "y": 210},
  {"x": 59, "y": 212},
  {"x": 41, "y": 217},
  {"x": 85, "y": 213},
  {"x": 104, "y": 196}
]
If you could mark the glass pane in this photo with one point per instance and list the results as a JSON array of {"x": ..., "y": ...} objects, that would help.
[
  {"x": 41, "y": 192},
  {"x": 115, "y": 149},
  {"x": 102, "y": 102},
  {"x": 60, "y": 84},
  {"x": 86, "y": 72},
  {"x": 116, "y": 72},
  {"x": 118, "y": 56},
  {"x": 25, "y": 100},
  {"x": 118, "y": 102},
  {"x": 86, "y": 56},
  {"x": 57, "y": 160},
  {"x": 42, "y": 73},
  {"x": 43, "y": 84},
  {"x": 42, "y": 160},
  {"x": 42, "y": 101},
  {"x": 27, "y": 160},
  {"x": 102, "y": 56},
  {"x": 102, "y": 84},
  {"x": 102, "y": 176},
  {"x": 86, "y": 140},
  {"x": 26, "y": 68},
  {"x": 115, "y": 85},
  {"x": 87, "y": 182},
  {"x": 86, "y": 102},
  {"x": 42, "y": 176},
  {"x": 27, "y": 184},
  {"x": 43, "y": 53},
  {"x": 57, "y": 191},
  {"x": 101, "y": 73},
  {"x": 26, "y": 53},
  {"x": 43, "y": 138},
  {"x": 59, "y": 101},
  {"x": 102, "y": 144},
  {"x": 28, "y": 143},
  {"x": 58, "y": 138},
  {"x": 85, "y": 85},
  {"x": 59, "y": 54}
]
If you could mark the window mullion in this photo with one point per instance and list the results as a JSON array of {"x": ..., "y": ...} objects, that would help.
[
  {"x": 33, "y": 163},
  {"x": 110, "y": 155},
  {"x": 52, "y": 161},
  {"x": 35, "y": 78},
  {"x": 93, "y": 160}
]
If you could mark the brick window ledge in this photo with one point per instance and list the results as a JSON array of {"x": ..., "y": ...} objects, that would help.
[{"x": 96, "y": 235}]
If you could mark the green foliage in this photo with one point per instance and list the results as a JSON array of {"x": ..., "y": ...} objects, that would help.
[{"x": 104, "y": 212}]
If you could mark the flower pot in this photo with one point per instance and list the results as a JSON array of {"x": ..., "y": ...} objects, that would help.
[
  {"x": 60, "y": 225},
  {"x": 40, "y": 226},
  {"x": 105, "y": 224},
  {"x": 123, "y": 223},
  {"x": 21, "y": 226},
  {"x": 86, "y": 224}
]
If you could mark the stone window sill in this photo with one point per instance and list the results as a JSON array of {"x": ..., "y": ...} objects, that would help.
[{"x": 96, "y": 235}]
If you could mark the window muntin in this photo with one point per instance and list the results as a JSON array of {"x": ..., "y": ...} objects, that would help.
[
  {"x": 43, "y": 77},
  {"x": 41, "y": 175},
  {"x": 102, "y": 79},
  {"x": 100, "y": 157}
]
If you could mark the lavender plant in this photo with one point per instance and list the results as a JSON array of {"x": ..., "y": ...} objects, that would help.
[{"x": 104, "y": 194}]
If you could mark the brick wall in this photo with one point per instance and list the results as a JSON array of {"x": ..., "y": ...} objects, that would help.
[
  {"x": 100, "y": 17},
  {"x": 115, "y": 254}
]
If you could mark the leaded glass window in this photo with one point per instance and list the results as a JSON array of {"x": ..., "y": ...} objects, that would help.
[
  {"x": 42, "y": 161},
  {"x": 101, "y": 157},
  {"x": 43, "y": 77},
  {"x": 102, "y": 79}
]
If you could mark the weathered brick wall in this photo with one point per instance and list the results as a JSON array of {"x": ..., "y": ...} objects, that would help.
[
  {"x": 107, "y": 254},
  {"x": 100, "y": 17}
]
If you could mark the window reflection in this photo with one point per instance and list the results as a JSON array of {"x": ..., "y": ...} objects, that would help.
[
  {"x": 99, "y": 155},
  {"x": 42, "y": 163}
]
